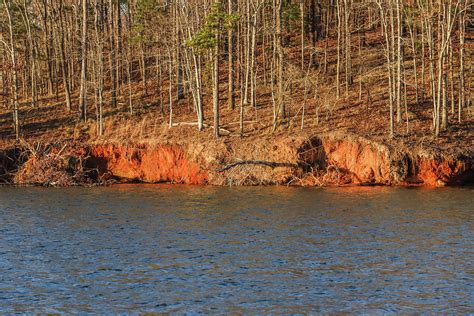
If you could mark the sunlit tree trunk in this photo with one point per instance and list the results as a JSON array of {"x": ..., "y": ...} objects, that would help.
[
  {"x": 279, "y": 48},
  {"x": 230, "y": 59},
  {"x": 14, "y": 84},
  {"x": 113, "y": 59},
  {"x": 215, "y": 89},
  {"x": 82, "y": 91}
]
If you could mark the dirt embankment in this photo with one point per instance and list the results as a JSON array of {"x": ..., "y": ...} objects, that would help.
[
  {"x": 162, "y": 163},
  {"x": 325, "y": 160}
]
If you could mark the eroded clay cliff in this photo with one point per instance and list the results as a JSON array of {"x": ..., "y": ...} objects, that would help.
[{"x": 321, "y": 160}]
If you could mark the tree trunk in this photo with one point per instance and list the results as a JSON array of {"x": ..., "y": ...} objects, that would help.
[
  {"x": 302, "y": 33},
  {"x": 230, "y": 56},
  {"x": 64, "y": 68},
  {"x": 461, "y": 97},
  {"x": 279, "y": 48},
  {"x": 113, "y": 59},
  {"x": 82, "y": 91},
  {"x": 14, "y": 84},
  {"x": 338, "y": 64},
  {"x": 399, "y": 62},
  {"x": 170, "y": 88},
  {"x": 99, "y": 78},
  {"x": 347, "y": 10},
  {"x": 215, "y": 88},
  {"x": 389, "y": 56}
]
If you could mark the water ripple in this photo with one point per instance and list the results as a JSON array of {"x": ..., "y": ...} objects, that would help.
[{"x": 177, "y": 249}]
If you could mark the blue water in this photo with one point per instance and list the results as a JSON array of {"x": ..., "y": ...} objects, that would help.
[{"x": 183, "y": 249}]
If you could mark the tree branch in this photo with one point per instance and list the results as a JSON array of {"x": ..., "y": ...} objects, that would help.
[{"x": 270, "y": 164}]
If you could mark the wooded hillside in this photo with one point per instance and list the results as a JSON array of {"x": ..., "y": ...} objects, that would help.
[{"x": 394, "y": 67}]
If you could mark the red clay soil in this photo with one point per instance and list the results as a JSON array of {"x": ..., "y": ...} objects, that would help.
[
  {"x": 440, "y": 173},
  {"x": 161, "y": 164},
  {"x": 324, "y": 160},
  {"x": 364, "y": 162},
  {"x": 328, "y": 160}
]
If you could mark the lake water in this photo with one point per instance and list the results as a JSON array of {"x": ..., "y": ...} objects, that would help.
[{"x": 185, "y": 249}]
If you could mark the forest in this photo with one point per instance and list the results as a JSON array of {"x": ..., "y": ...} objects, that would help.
[{"x": 393, "y": 68}]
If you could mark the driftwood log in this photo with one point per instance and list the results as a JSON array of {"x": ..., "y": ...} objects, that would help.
[{"x": 270, "y": 164}]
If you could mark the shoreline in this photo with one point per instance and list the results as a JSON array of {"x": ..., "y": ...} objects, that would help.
[{"x": 328, "y": 160}]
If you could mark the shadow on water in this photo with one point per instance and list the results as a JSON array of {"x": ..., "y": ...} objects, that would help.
[{"x": 146, "y": 248}]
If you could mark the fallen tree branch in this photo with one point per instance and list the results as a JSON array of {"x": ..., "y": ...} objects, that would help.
[
  {"x": 187, "y": 123},
  {"x": 259, "y": 162},
  {"x": 222, "y": 130}
]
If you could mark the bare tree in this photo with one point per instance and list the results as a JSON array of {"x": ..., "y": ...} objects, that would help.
[
  {"x": 14, "y": 84},
  {"x": 82, "y": 91}
]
